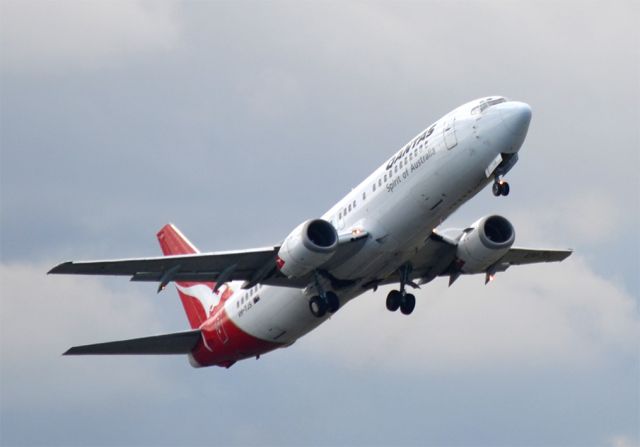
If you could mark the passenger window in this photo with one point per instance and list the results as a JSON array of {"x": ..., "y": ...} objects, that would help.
[
  {"x": 400, "y": 164},
  {"x": 349, "y": 207},
  {"x": 354, "y": 203},
  {"x": 374, "y": 187},
  {"x": 385, "y": 177},
  {"x": 380, "y": 182},
  {"x": 364, "y": 195}
]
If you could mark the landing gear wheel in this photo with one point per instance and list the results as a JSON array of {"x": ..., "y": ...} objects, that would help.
[
  {"x": 393, "y": 300},
  {"x": 333, "y": 303},
  {"x": 407, "y": 303},
  {"x": 318, "y": 306},
  {"x": 500, "y": 188}
]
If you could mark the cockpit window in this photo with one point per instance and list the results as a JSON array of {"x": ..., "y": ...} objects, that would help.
[{"x": 486, "y": 103}]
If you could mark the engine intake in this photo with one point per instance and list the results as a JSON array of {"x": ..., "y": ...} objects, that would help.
[
  {"x": 307, "y": 247},
  {"x": 484, "y": 243}
]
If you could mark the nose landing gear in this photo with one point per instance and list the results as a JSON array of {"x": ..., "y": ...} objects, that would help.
[{"x": 500, "y": 187}]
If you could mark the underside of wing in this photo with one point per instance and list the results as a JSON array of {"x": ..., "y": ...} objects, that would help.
[
  {"x": 439, "y": 257},
  {"x": 520, "y": 256},
  {"x": 252, "y": 266},
  {"x": 220, "y": 266},
  {"x": 176, "y": 343}
]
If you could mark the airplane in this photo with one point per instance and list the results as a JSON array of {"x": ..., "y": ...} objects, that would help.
[{"x": 242, "y": 304}]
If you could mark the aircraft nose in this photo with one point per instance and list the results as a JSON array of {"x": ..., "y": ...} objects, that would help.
[{"x": 516, "y": 117}]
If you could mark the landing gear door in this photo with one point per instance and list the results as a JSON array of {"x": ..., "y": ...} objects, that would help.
[{"x": 449, "y": 132}]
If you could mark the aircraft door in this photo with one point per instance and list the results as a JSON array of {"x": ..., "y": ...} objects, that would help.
[{"x": 449, "y": 132}]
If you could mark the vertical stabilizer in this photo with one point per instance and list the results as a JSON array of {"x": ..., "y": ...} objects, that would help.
[{"x": 198, "y": 298}]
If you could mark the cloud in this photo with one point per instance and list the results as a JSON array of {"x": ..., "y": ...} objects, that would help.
[
  {"x": 591, "y": 218},
  {"x": 54, "y": 37},
  {"x": 623, "y": 441},
  {"x": 533, "y": 317},
  {"x": 41, "y": 316}
]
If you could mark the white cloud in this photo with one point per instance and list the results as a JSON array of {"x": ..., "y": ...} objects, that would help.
[
  {"x": 532, "y": 317},
  {"x": 53, "y": 37},
  {"x": 590, "y": 218},
  {"x": 622, "y": 441},
  {"x": 41, "y": 316}
]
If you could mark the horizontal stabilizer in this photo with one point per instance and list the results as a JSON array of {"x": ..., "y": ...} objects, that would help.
[{"x": 176, "y": 343}]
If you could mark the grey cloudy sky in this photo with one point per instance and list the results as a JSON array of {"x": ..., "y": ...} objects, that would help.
[{"x": 236, "y": 121}]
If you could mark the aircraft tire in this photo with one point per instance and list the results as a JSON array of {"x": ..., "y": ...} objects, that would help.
[
  {"x": 496, "y": 189},
  {"x": 407, "y": 304},
  {"x": 318, "y": 306},
  {"x": 504, "y": 189},
  {"x": 333, "y": 303},
  {"x": 393, "y": 300}
]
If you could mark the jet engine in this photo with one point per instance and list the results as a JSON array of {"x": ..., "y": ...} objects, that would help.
[
  {"x": 486, "y": 241},
  {"x": 307, "y": 247}
]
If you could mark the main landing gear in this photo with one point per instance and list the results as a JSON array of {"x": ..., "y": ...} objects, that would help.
[
  {"x": 400, "y": 299},
  {"x": 396, "y": 299},
  {"x": 320, "y": 305},
  {"x": 500, "y": 187},
  {"x": 325, "y": 301}
]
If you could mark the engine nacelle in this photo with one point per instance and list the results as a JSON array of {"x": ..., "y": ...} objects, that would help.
[
  {"x": 309, "y": 246},
  {"x": 487, "y": 240}
]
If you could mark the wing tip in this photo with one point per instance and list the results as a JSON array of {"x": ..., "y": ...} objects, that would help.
[
  {"x": 70, "y": 351},
  {"x": 60, "y": 268}
]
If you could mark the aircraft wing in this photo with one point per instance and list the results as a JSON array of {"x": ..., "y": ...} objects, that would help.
[
  {"x": 176, "y": 343},
  {"x": 217, "y": 266},
  {"x": 252, "y": 266},
  {"x": 520, "y": 256},
  {"x": 438, "y": 256}
]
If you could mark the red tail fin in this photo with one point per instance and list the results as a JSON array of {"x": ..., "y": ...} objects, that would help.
[
  {"x": 173, "y": 242},
  {"x": 197, "y": 298}
]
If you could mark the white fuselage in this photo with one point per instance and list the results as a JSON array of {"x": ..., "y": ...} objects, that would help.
[{"x": 399, "y": 205}]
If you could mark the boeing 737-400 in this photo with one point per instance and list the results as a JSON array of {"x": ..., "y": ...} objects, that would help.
[{"x": 242, "y": 304}]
